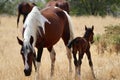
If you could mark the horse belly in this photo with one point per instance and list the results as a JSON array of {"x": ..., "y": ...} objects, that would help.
[
  {"x": 53, "y": 33},
  {"x": 54, "y": 30}
]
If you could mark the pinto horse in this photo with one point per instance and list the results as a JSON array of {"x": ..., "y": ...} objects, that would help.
[
  {"x": 43, "y": 29},
  {"x": 63, "y": 4},
  {"x": 82, "y": 45},
  {"x": 23, "y": 9}
]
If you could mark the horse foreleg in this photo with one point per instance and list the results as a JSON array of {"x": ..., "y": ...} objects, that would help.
[
  {"x": 34, "y": 64},
  {"x": 34, "y": 60},
  {"x": 69, "y": 56},
  {"x": 52, "y": 56},
  {"x": 39, "y": 55},
  {"x": 37, "y": 71},
  {"x": 90, "y": 62}
]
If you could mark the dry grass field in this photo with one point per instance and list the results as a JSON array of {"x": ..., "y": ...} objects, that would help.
[{"x": 106, "y": 66}]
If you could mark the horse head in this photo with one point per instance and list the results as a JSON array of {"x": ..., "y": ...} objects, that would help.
[
  {"x": 28, "y": 55},
  {"x": 89, "y": 33}
]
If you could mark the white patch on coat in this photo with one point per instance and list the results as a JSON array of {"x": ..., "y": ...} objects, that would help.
[
  {"x": 70, "y": 26},
  {"x": 32, "y": 23}
]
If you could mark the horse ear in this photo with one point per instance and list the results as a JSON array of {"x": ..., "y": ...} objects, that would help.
[
  {"x": 85, "y": 27},
  {"x": 20, "y": 41},
  {"x": 31, "y": 40},
  {"x": 92, "y": 27}
]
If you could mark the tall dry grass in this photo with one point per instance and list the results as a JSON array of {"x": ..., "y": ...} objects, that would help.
[{"x": 106, "y": 67}]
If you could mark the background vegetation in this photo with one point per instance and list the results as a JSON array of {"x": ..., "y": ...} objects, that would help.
[
  {"x": 110, "y": 40},
  {"x": 78, "y": 7},
  {"x": 95, "y": 7}
]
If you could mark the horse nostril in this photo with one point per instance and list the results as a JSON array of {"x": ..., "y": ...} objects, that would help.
[{"x": 27, "y": 72}]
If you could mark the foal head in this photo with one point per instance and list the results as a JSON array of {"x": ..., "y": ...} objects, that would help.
[
  {"x": 89, "y": 34},
  {"x": 28, "y": 54}
]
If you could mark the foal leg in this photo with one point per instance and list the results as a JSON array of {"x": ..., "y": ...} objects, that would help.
[
  {"x": 79, "y": 62},
  {"x": 80, "y": 56},
  {"x": 90, "y": 62},
  {"x": 75, "y": 63},
  {"x": 38, "y": 60},
  {"x": 52, "y": 56}
]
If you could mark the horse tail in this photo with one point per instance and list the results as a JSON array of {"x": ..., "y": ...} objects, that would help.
[
  {"x": 70, "y": 44},
  {"x": 18, "y": 19},
  {"x": 70, "y": 26},
  {"x": 19, "y": 13}
]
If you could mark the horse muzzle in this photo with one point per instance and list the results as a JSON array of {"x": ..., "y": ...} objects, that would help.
[{"x": 27, "y": 72}]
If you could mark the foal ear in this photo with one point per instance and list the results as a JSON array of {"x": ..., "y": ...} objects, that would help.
[
  {"x": 92, "y": 27},
  {"x": 31, "y": 40},
  {"x": 85, "y": 27},
  {"x": 19, "y": 41}
]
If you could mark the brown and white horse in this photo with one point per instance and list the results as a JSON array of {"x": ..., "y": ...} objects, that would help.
[
  {"x": 43, "y": 29},
  {"x": 24, "y": 9},
  {"x": 63, "y": 4},
  {"x": 82, "y": 45}
]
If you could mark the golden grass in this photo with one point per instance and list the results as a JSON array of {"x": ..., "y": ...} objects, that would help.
[{"x": 107, "y": 67}]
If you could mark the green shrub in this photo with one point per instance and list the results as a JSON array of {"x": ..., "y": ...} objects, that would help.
[
  {"x": 110, "y": 41},
  {"x": 112, "y": 34},
  {"x": 100, "y": 42},
  {"x": 97, "y": 38}
]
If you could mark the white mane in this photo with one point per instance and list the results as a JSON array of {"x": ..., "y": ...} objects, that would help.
[{"x": 32, "y": 23}]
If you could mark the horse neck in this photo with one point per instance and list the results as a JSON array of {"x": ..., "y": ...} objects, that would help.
[
  {"x": 28, "y": 32},
  {"x": 33, "y": 20},
  {"x": 86, "y": 37}
]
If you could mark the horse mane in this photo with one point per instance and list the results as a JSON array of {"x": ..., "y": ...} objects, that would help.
[{"x": 32, "y": 23}]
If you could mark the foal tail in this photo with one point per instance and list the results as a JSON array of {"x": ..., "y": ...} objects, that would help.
[
  {"x": 70, "y": 44},
  {"x": 70, "y": 26}
]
